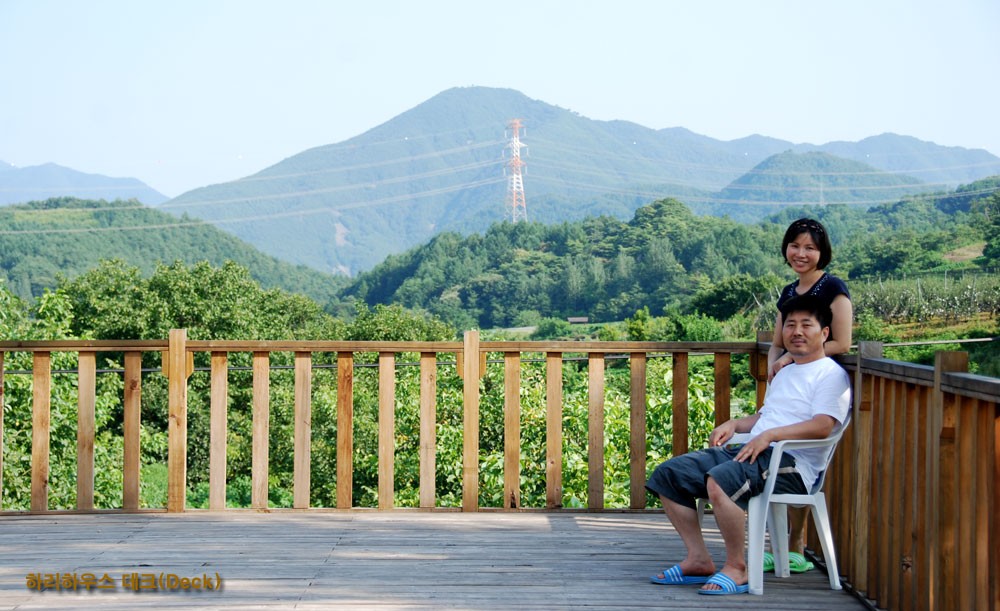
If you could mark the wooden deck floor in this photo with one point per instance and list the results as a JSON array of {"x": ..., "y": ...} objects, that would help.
[{"x": 393, "y": 559}]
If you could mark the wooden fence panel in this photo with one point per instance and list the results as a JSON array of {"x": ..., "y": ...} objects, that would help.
[
  {"x": 512, "y": 431},
  {"x": 895, "y": 560},
  {"x": 885, "y": 502},
  {"x": 302, "y": 460},
  {"x": 553, "y": 430},
  {"x": 637, "y": 430},
  {"x": 261, "y": 422},
  {"x": 41, "y": 389},
  {"x": 428, "y": 429},
  {"x": 985, "y": 508},
  {"x": 218, "y": 430},
  {"x": 386, "y": 428},
  {"x": 1, "y": 426},
  {"x": 908, "y": 494},
  {"x": 863, "y": 424},
  {"x": 345, "y": 429},
  {"x": 965, "y": 506},
  {"x": 85, "y": 429},
  {"x": 595, "y": 432}
]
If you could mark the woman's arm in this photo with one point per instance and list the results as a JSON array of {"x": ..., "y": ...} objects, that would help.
[
  {"x": 840, "y": 327},
  {"x": 777, "y": 349}
]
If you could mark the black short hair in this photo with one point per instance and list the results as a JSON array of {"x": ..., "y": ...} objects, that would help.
[
  {"x": 818, "y": 234},
  {"x": 809, "y": 304}
]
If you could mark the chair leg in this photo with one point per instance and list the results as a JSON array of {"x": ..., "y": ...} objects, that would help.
[
  {"x": 757, "y": 512},
  {"x": 822, "y": 521},
  {"x": 778, "y": 528},
  {"x": 701, "y": 513}
]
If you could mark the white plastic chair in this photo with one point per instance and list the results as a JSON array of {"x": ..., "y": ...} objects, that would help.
[{"x": 770, "y": 509}]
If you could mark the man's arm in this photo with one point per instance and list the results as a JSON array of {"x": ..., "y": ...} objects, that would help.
[
  {"x": 725, "y": 431},
  {"x": 819, "y": 427}
]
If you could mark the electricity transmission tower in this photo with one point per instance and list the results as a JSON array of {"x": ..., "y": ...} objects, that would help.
[{"x": 515, "y": 209}]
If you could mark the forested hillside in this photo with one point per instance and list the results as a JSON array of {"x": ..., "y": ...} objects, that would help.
[
  {"x": 41, "y": 240},
  {"x": 665, "y": 256}
]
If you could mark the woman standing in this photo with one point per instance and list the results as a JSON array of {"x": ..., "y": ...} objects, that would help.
[{"x": 806, "y": 249}]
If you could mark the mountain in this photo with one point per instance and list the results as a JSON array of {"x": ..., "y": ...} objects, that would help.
[
  {"x": 51, "y": 180},
  {"x": 809, "y": 178},
  {"x": 440, "y": 166},
  {"x": 42, "y": 240}
]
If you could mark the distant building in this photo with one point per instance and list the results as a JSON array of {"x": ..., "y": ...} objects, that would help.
[{"x": 578, "y": 320}]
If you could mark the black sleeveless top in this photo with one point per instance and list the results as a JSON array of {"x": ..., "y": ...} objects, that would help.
[{"x": 826, "y": 289}]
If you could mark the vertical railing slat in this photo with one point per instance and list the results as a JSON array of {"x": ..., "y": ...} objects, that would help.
[
  {"x": 261, "y": 422},
  {"x": 428, "y": 429},
  {"x": 943, "y": 484},
  {"x": 386, "y": 427},
  {"x": 553, "y": 430},
  {"x": 85, "y": 429},
  {"x": 908, "y": 495},
  {"x": 303, "y": 430},
  {"x": 345, "y": 430},
  {"x": 862, "y": 454},
  {"x": 722, "y": 387},
  {"x": 924, "y": 519},
  {"x": 41, "y": 388},
  {"x": 885, "y": 504},
  {"x": 680, "y": 404},
  {"x": 595, "y": 431},
  {"x": 637, "y": 430},
  {"x": 994, "y": 551},
  {"x": 984, "y": 503},
  {"x": 512, "y": 431},
  {"x": 898, "y": 469},
  {"x": 131, "y": 427},
  {"x": 470, "y": 421},
  {"x": 965, "y": 505},
  {"x": 176, "y": 361},
  {"x": 218, "y": 431}
]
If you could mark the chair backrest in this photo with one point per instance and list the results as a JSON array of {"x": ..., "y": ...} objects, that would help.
[{"x": 821, "y": 478}]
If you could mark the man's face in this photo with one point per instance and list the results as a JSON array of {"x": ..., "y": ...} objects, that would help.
[{"x": 803, "y": 335}]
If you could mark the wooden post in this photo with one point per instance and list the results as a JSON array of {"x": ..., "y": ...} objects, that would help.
[
  {"x": 470, "y": 429},
  {"x": 387, "y": 427},
  {"x": 428, "y": 429},
  {"x": 637, "y": 430},
  {"x": 910, "y": 471},
  {"x": 862, "y": 454},
  {"x": 986, "y": 558},
  {"x": 595, "y": 432},
  {"x": 41, "y": 387},
  {"x": 680, "y": 404},
  {"x": 758, "y": 367},
  {"x": 85, "y": 429},
  {"x": 345, "y": 429},
  {"x": 722, "y": 388},
  {"x": 176, "y": 361},
  {"x": 261, "y": 422},
  {"x": 886, "y": 504},
  {"x": 303, "y": 430},
  {"x": 512, "y": 431},
  {"x": 131, "y": 422},
  {"x": 943, "y": 485},
  {"x": 218, "y": 431},
  {"x": 553, "y": 430}
]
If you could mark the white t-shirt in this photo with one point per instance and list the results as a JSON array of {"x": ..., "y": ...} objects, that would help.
[{"x": 799, "y": 393}]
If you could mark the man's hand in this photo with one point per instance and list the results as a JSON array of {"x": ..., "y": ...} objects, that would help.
[
  {"x": 753, "y": 448},
  {"x": 722, "y": 433}
]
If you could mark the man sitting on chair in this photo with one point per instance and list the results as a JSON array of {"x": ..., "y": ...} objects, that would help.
[{"x": 806, "y": 400}]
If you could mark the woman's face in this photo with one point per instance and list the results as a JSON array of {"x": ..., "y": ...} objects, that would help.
[{"x": 802, "y": 253}]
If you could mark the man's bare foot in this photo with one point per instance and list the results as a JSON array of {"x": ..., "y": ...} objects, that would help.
[{"x": 737, "y": 574}]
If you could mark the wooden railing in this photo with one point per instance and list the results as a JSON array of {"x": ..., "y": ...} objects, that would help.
[
  {"x": 178, "y": 364},
  {"x": 914, "y": 490}
]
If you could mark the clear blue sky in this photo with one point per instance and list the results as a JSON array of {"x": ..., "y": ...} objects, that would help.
[{"x": 185, "y": 93}]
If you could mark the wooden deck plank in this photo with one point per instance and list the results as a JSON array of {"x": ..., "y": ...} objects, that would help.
[{"x": 388, "y": 559}]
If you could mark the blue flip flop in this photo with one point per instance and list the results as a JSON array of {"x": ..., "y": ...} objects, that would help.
[
  {"x": 727, "y": 584},
  {"x": 674, "y": 576}
]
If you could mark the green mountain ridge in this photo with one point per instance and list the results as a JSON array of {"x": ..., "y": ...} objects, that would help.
[
  {"x": 42, "y": 240},
  {"x": 439, "y": 167}
]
